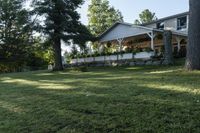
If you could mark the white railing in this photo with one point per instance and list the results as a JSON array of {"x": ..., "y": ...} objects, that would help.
[
  {"x": 127, "y": 56},
  {"x": 144, "y": 55}
]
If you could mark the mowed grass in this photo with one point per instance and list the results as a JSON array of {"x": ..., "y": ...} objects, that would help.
[{"x": 124, "y": 99}]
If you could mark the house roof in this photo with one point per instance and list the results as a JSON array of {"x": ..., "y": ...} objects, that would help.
[
  {"x": 113, "y": 26},
  {"x": 167, "y": 18},
  {"x": 145, "y": 24},
  {"x": 125, "y": 30}
]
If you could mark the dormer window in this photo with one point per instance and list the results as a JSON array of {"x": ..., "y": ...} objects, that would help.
[
  {"x": 161, "y": 26},
  {"x": 182, "y": 23}
]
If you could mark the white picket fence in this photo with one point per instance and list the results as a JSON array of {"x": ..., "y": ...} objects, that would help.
[{"x": 127, "y": 56}]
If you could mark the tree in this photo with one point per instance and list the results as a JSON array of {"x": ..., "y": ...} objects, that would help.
[
  {"x": 145, "y": 17},
  {"x": 15, "y": 31},
  {"x": 61, "y": 22},
  {"x": 193, "y": 48},
  {"x": 40, "y": 54},
  {"x": 102, "y": 16}
]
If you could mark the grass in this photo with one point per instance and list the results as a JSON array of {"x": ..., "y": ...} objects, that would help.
[{"x": 132, "y": 99}]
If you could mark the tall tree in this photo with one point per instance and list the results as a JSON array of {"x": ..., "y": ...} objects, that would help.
[
  {"x": 193, "y": 48},
  {"x": 145, "y": 17},
  {"x": 61, "y": 22},
  {"x": 14, "y": 30},
  {"x": 101, "y": 16}
]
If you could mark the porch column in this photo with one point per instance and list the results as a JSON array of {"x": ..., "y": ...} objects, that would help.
[
  {"x": 179, "y": 43},
  {"x": 104, "y": 53},
  {"x": 152, "y": 36},
  {"x": 119, "y": 40}
]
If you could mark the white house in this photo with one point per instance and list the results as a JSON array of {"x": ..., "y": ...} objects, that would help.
[
  {"x": 178, "y": 23},
  {"x": 126, "y": 36},
  {"x": 149, "y": 35}
]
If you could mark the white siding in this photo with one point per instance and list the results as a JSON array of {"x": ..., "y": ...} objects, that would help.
[
  {"x": 144, "y": 55},
  {"x": 123, "y": 31},
  {"x": 151, "y": 26},
  {"x": 170, "y": 24}
]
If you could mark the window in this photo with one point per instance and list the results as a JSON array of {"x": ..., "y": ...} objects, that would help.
[
  {"x": 182, "y": 23},
  {"x": 160, "y": 26}
]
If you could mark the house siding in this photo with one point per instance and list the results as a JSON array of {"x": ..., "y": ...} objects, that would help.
[
  {"x": 170, "y": 24},
  {"x": 151, "y": 25},
  {"x": 122, "y": 31}
]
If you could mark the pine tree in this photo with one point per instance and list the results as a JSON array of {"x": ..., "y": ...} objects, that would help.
[{"x": 61, "y": 23}]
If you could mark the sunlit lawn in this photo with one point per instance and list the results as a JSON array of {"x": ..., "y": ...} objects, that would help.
[{"x": 132, "y": 99}]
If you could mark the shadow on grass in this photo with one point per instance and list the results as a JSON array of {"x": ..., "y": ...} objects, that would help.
[{"x": 115, "y": 100}]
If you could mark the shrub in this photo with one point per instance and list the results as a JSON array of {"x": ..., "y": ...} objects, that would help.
[
  {"x": 148, "y": 50},
  {"x": 83, "y": 68},
  {"x": 6, "y": 67}
]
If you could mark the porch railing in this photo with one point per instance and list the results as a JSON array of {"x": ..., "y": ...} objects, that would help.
[{"x": 126, "y": 56}]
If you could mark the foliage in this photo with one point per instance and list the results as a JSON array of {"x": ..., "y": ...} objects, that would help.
[
  {"x": 102, "y": 16},
  {"x": 81, "y": 69},
  {"x": 17, "y": 45},
  {"x": 145, "y": 16},
  {"x": 15, "y": 32},
  {"x": 148, "y": 50},
  {"x": 44, "y": 50},
  {"x": 41, "y": 55},
  {"x": 11, "y": 66},
  {"x": 70, "y": 56}
]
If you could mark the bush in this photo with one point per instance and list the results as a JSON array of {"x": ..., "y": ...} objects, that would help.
[
  {"x": 148, "y": 50},
  {"x": 7, "y": 67},
  {"x": 83, "y": 68}
]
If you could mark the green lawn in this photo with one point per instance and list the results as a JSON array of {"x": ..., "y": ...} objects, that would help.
[{"x": 132, "y": 99}]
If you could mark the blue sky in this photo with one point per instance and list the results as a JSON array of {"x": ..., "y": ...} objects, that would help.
[{"x": 131, "y": 8}]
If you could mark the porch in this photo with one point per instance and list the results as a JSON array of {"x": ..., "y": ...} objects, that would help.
[
  {"x": 130, "y": 38},
  {"x": 126, "y": 42}
]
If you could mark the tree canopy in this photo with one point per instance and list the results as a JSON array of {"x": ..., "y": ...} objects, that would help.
[
  {"x": 14, "y": 30},
  {"x": 101, "y": 16},
  {"x": 145, "y": 16}
]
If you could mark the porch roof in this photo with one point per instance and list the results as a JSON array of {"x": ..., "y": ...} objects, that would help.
[{"x": 124, "y": 30}]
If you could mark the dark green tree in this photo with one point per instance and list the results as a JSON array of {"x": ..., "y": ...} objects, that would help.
[
  {"x": 145, "y": 17},
  {"x": 61, "y": 22},
  {"x": 15, "y": 31}
]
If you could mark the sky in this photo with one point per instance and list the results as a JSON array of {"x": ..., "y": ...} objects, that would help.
[{"x": 132, "y": 8}]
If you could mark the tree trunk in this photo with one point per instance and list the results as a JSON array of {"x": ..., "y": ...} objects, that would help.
[
  {"x": 57, "y": 53},
  {"x": 167, "y": 39},
  {"x": 193, "y": 48}
]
